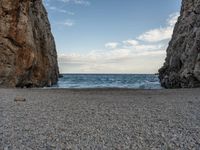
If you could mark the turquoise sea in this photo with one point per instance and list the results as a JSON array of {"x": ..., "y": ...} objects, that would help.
[{"x": 133, "y": 81}]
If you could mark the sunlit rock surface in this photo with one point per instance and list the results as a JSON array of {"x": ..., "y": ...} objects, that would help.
[{"x": 28, "y": 55}]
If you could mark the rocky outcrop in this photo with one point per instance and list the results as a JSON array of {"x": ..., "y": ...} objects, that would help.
[
  {"x": 182, "y": 65},
  {"x": 27, "y": 49}
]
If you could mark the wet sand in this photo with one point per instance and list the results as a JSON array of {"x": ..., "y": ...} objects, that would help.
[{"x": 100, "y": 119}]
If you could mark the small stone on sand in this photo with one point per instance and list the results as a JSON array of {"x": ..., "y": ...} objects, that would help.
[{"x": 19, "y": 99}]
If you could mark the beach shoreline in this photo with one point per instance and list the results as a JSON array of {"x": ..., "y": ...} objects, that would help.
[{"x": 100, "y": 119}]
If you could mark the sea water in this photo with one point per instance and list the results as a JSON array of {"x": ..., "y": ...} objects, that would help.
[{"x": 133, "y": 81}]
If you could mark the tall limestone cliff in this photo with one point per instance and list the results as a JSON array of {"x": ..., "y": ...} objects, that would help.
[
  {"x": 28, "y": 55},
  {"x": 182, "y": 65}
]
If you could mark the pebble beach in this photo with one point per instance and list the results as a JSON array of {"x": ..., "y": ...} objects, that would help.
[{"x": 121, "y": 119}]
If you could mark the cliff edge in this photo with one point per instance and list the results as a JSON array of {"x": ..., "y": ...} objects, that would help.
[
  {"x": 182, "y": 65},
  {"x": 28, "y": 55}
]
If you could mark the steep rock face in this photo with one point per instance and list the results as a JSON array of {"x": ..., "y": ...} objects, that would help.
[
  {"x": 27, "y": 49},
  {"x": 182, "y": 65}
]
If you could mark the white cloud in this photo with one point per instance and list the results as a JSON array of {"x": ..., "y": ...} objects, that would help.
[
  {"x": 111, "y": 45},
  {"x": 114, "y": 61},
  {"x": 162, "y": 33},
  {"x": 79, "y": 2},
  {"x": 171, "y": 21},
  {"x": 70, "y": 12},
  {"x": 128, "y": 56},
  {"x": 157, "y": 35},
  {"x": 135, "y": 59},
  {"x": 53, "y": 8},
  {"x": 66, "y": 23},
  {"x": 131, "y": 42}
]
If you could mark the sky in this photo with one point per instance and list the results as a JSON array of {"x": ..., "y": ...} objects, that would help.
[{"x": 112, "y": 36}]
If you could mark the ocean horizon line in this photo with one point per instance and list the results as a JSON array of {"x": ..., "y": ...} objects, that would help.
[{"x": 109, "y": 73}]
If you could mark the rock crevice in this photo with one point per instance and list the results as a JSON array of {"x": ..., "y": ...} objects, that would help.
[
  {"x": 182, "y": 65},
  {"x": 27, "y": 49}
]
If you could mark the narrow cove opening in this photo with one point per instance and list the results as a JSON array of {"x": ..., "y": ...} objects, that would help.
[{"x": 111, "y": 44}]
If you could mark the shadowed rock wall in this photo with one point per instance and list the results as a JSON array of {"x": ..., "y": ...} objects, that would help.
[{"x": 182, "y": 65}]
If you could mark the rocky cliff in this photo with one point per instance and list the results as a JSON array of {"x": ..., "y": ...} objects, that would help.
[
  {"x": 28, "y": 55},
  {"x": 182, "y": 65}
]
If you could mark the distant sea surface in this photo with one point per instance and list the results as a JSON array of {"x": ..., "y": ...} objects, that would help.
[{"x": 132, "y": 81}]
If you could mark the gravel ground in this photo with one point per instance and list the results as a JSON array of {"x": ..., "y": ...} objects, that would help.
[{"x": 100, "y": 119}]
